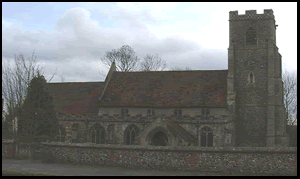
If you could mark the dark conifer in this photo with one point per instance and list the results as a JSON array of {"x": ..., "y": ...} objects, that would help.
[{"x": 37, "y": 121}]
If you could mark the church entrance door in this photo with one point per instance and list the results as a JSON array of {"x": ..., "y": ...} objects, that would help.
[{"x": 159, "y": 139}]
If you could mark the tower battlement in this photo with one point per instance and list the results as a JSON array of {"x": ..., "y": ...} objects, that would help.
[{"x": 251, "y": 15}]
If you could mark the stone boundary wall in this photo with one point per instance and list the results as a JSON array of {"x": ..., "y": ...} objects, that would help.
[
  {"x": 13, "y": 150},
  {"x": 260, "y": 160}
]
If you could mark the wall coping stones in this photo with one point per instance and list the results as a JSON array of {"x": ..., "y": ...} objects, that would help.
[
  {"x": 7, "y": 141},
  {"x": 271, "y": 150}
]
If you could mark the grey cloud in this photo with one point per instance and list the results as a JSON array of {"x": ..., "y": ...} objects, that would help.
[
  {"x": 199, "y": 59},
  {"x": 79, "y": 37},
  {"x": 133, "y": 19},
  {"x": 79, "y": 70},
  {"x": 33, "y": 38},
  {"x": 170, "y": 45}
]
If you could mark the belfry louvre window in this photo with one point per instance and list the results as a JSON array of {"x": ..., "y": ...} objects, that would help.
[
  {"x": 124, "y": 112},
  {"x": 251, "y": 37}
]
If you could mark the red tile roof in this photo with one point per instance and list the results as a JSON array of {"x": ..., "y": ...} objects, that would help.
[
  {"x": 166, "y": 89},
  {"x": 77, "y": 97}
]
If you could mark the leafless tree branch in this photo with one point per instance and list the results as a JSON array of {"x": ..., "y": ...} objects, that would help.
[
  {"x": 290, "y": 96},
  {"x": 152, "y": 63},
  {"x": 124, "y": 58}
]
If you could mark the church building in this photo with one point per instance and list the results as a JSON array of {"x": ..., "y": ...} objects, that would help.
[{"x": 241, "y": 106}]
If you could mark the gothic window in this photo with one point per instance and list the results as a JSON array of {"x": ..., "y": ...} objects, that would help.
[
  {"x": 110, "y": 133},
  {"x": 131, "y": 133},
  {"x": 150, "y": 112},
  {"x": 206, "y": 137},
  {"x": 178, "y": 112},
  {"x": 124, "y": 112},
  {"x": 97, "y": 134},
  {"x": 251, "y": 37},
  {"x": 75, "y": 136}
]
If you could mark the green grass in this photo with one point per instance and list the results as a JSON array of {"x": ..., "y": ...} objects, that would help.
[{"x": 23, "y": 173}]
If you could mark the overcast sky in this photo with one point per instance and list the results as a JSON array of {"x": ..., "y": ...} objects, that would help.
[{"x": 72, "y": 37}]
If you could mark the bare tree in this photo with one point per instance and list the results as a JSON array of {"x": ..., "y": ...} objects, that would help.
[
  {"x": 180, "y": 69},
  {"x": 290, "y": 96},
  {"x": 124, "y": 58},
  {"x": 16, "y": 76},
  {"x": 153, "y": 63}
]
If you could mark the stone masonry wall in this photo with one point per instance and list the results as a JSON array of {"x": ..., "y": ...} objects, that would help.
[
  {"x": 120, "y": 124},
  {"x": 261, "y": 160},
  {"x": 252, "y": 98}
]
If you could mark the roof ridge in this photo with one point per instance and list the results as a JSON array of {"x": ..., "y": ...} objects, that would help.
[
  {"x": 77, "y": 82},
  {"x": 167, "y": 71}
]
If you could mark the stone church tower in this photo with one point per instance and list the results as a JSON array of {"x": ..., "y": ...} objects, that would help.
[{"x": 254, "y": 85}]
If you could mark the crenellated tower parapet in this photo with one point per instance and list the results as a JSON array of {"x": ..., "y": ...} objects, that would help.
[{"x": 251, "y": 15}]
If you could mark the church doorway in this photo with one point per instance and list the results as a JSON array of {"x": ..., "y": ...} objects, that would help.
[{"x": 159, "y": 139}]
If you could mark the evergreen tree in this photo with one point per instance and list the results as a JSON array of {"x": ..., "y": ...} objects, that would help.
[{"x": 37, "y": 121}]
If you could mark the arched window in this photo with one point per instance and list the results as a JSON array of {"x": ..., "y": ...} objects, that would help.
[
  {"x": 251, "y": 37},
  {"x": 110, "y": 133},
  {"x": 97, "y": 134},
  {"x": 131, "y": 133},
  {"x": 206, "y": 137}
]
